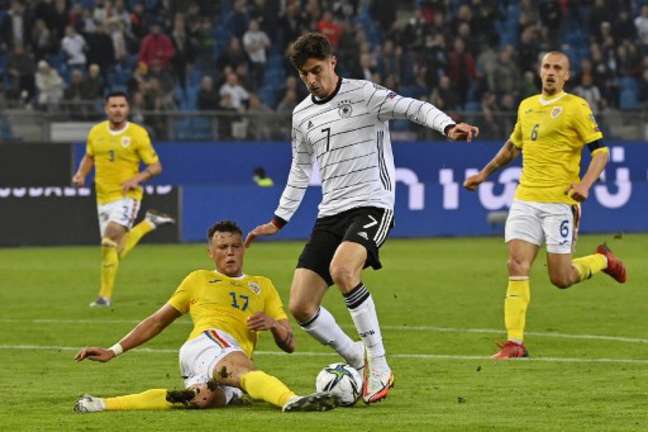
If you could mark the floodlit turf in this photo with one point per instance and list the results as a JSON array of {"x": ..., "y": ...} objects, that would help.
[{"x": 440, "y": 303}]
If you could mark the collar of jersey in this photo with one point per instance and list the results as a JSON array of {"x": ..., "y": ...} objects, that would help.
[
  {"x": 117, "y": 132},
  {"x": 329, "y": 97},
  {"x": 243, "y": 275},
  {"x": 546, "y": 102}
]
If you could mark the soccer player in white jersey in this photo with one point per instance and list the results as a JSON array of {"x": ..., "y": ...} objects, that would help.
[{"x": 343, "y": 126}]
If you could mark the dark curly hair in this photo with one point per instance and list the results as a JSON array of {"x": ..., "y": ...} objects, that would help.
[
  {"x": 223, "y": 226},
  {"x": 309, "y": 45},
  {"x": 117, "y": 93}
]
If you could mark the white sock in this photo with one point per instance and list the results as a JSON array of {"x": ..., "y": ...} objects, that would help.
[
  {"x": 324, "y": 329},
  {"x": 363, "y": 312}
]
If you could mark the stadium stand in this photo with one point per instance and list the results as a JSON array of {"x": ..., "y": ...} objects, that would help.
[{"x": 484, "y": 47}]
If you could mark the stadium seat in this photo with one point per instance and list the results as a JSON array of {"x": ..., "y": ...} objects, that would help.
[
  {"x": 87, "y": 4},
  {"x": 472, "y": 106},
  {"x": 56, "y": 60},
  {"x": 628, "y": 96},
  {"x": 5, "y": 129},
  {"x": 192, "y": 97}
]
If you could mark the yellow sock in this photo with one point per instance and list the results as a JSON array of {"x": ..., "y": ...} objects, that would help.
[
  {"x": 109, "y": 265},
  {"x": 134, "y": 236},
  {"x": 260, "y": 385},
  {"x": 154, "y": 399},
  {"x": 518, "y": 295},
  {"x": 588, "y": 265}
]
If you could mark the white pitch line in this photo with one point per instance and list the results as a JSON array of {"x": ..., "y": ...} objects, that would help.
[
  {"x": 500, "y": 331},
  {"x": 323, "y": 354},
  {"x": 384, "y": 327}
]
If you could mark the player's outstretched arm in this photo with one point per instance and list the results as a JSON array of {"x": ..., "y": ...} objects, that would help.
[
  {"x": 580, "y": 191},
  {"x": 504, "y": 156},
  {"x": 462, "y": 132},
  {"x": 387, "y": 105},
  {"x": 148, "y": 173},
  {"x": 265, "y": 229},
  {"x": 280, "y": 329},
  {"x": 78, "y": 180},
  {"x": 143, "y": 332}
]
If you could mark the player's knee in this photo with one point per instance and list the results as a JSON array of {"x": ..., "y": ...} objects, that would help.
[
  {"x": 560, "y": 280},
  {"x": 344, "y": 276},
  {"x": 112, "y": 236},
  {"x": 108, "y": 242},
  {"x": 301, "y": 311},
  {"x": 517, "y": 267},
  {"x": 206, "y": 398}
]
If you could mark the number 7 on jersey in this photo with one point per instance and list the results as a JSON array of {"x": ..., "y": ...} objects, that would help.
[{"x": 328, "y": 137}]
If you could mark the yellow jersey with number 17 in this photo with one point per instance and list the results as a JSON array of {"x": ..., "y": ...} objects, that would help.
[
  {"x": 551, "y": 134},
  {"x": 117, "y": 156},
  {"x": 217, "y": 301}
]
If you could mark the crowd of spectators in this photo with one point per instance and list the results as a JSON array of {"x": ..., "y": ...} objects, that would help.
[{"x": 229, "y": 55}]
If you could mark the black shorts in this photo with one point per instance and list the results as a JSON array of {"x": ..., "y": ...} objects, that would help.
[{"x": 368, "y": 226}]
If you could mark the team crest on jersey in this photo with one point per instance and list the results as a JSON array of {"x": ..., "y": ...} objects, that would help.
[
  {"x": 125, "y": 142},
  {"x": 254, "y": 287},
  {"x": 345, "y": 109},
  {"x": 556, "y": 112}
]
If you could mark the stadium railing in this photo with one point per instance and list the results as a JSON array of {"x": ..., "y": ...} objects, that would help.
[{"x": 70, "y": 122}]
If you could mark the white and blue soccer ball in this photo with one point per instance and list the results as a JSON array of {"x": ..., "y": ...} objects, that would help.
[{"x": 341, "y": 380}]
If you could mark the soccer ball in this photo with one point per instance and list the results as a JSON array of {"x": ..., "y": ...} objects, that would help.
[{"x": 341, "y": 380}]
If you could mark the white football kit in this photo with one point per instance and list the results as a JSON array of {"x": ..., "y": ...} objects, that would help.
[{"x": 347, "y": 134}]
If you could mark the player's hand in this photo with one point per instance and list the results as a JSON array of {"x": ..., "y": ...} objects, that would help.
[
  {"x": 262, "y": 230},
  {"x": 578, "y": 192},
  {"x": 463, "y": 131},
  {"x": 95, "y": 354},
  {"x": 130, "y": 185},
  {"x": 260, "y": 321},
  {"x": 473, "y": 181},
  {"x": 78, "y": 180}
]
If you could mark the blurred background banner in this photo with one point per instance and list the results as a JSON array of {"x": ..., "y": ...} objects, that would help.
[
  {"x": 62, "y": 215},
  {"x": 467, "y": 215},
  {"x": 35, "y": 164},
  {"x": 213, "y": 181},
  {"x": 216, "y": 183},
  {"x": 229, "y": 163}
]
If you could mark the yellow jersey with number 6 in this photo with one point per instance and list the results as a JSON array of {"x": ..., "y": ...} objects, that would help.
[
  {"x": 551, "y": 134},
  {"x": 117, "y": 156},
  {"x": 217, "y": 301}
]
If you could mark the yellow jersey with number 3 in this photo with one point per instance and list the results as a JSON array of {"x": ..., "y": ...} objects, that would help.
[
  {"x": 217, "y": 301},
  {"x": 117, "y": 156},
  {"x": 551, "y": 134}
]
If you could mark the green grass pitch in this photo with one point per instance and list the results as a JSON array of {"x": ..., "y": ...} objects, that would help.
[{"x": 440, "y": 304}]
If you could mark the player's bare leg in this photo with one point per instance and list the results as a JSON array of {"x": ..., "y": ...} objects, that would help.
[
  {"x": 110, "y": 241},
  {"x": 565, "y": 271},
  {"x": 203, "y": 396},
  {"x": 346, "y": 270},
  {"x": 562, "y": 272},
  {"x": 306, "y": 293},
  {"x": 238, "y": 371},
  {"x": 521, "y": 255}
]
